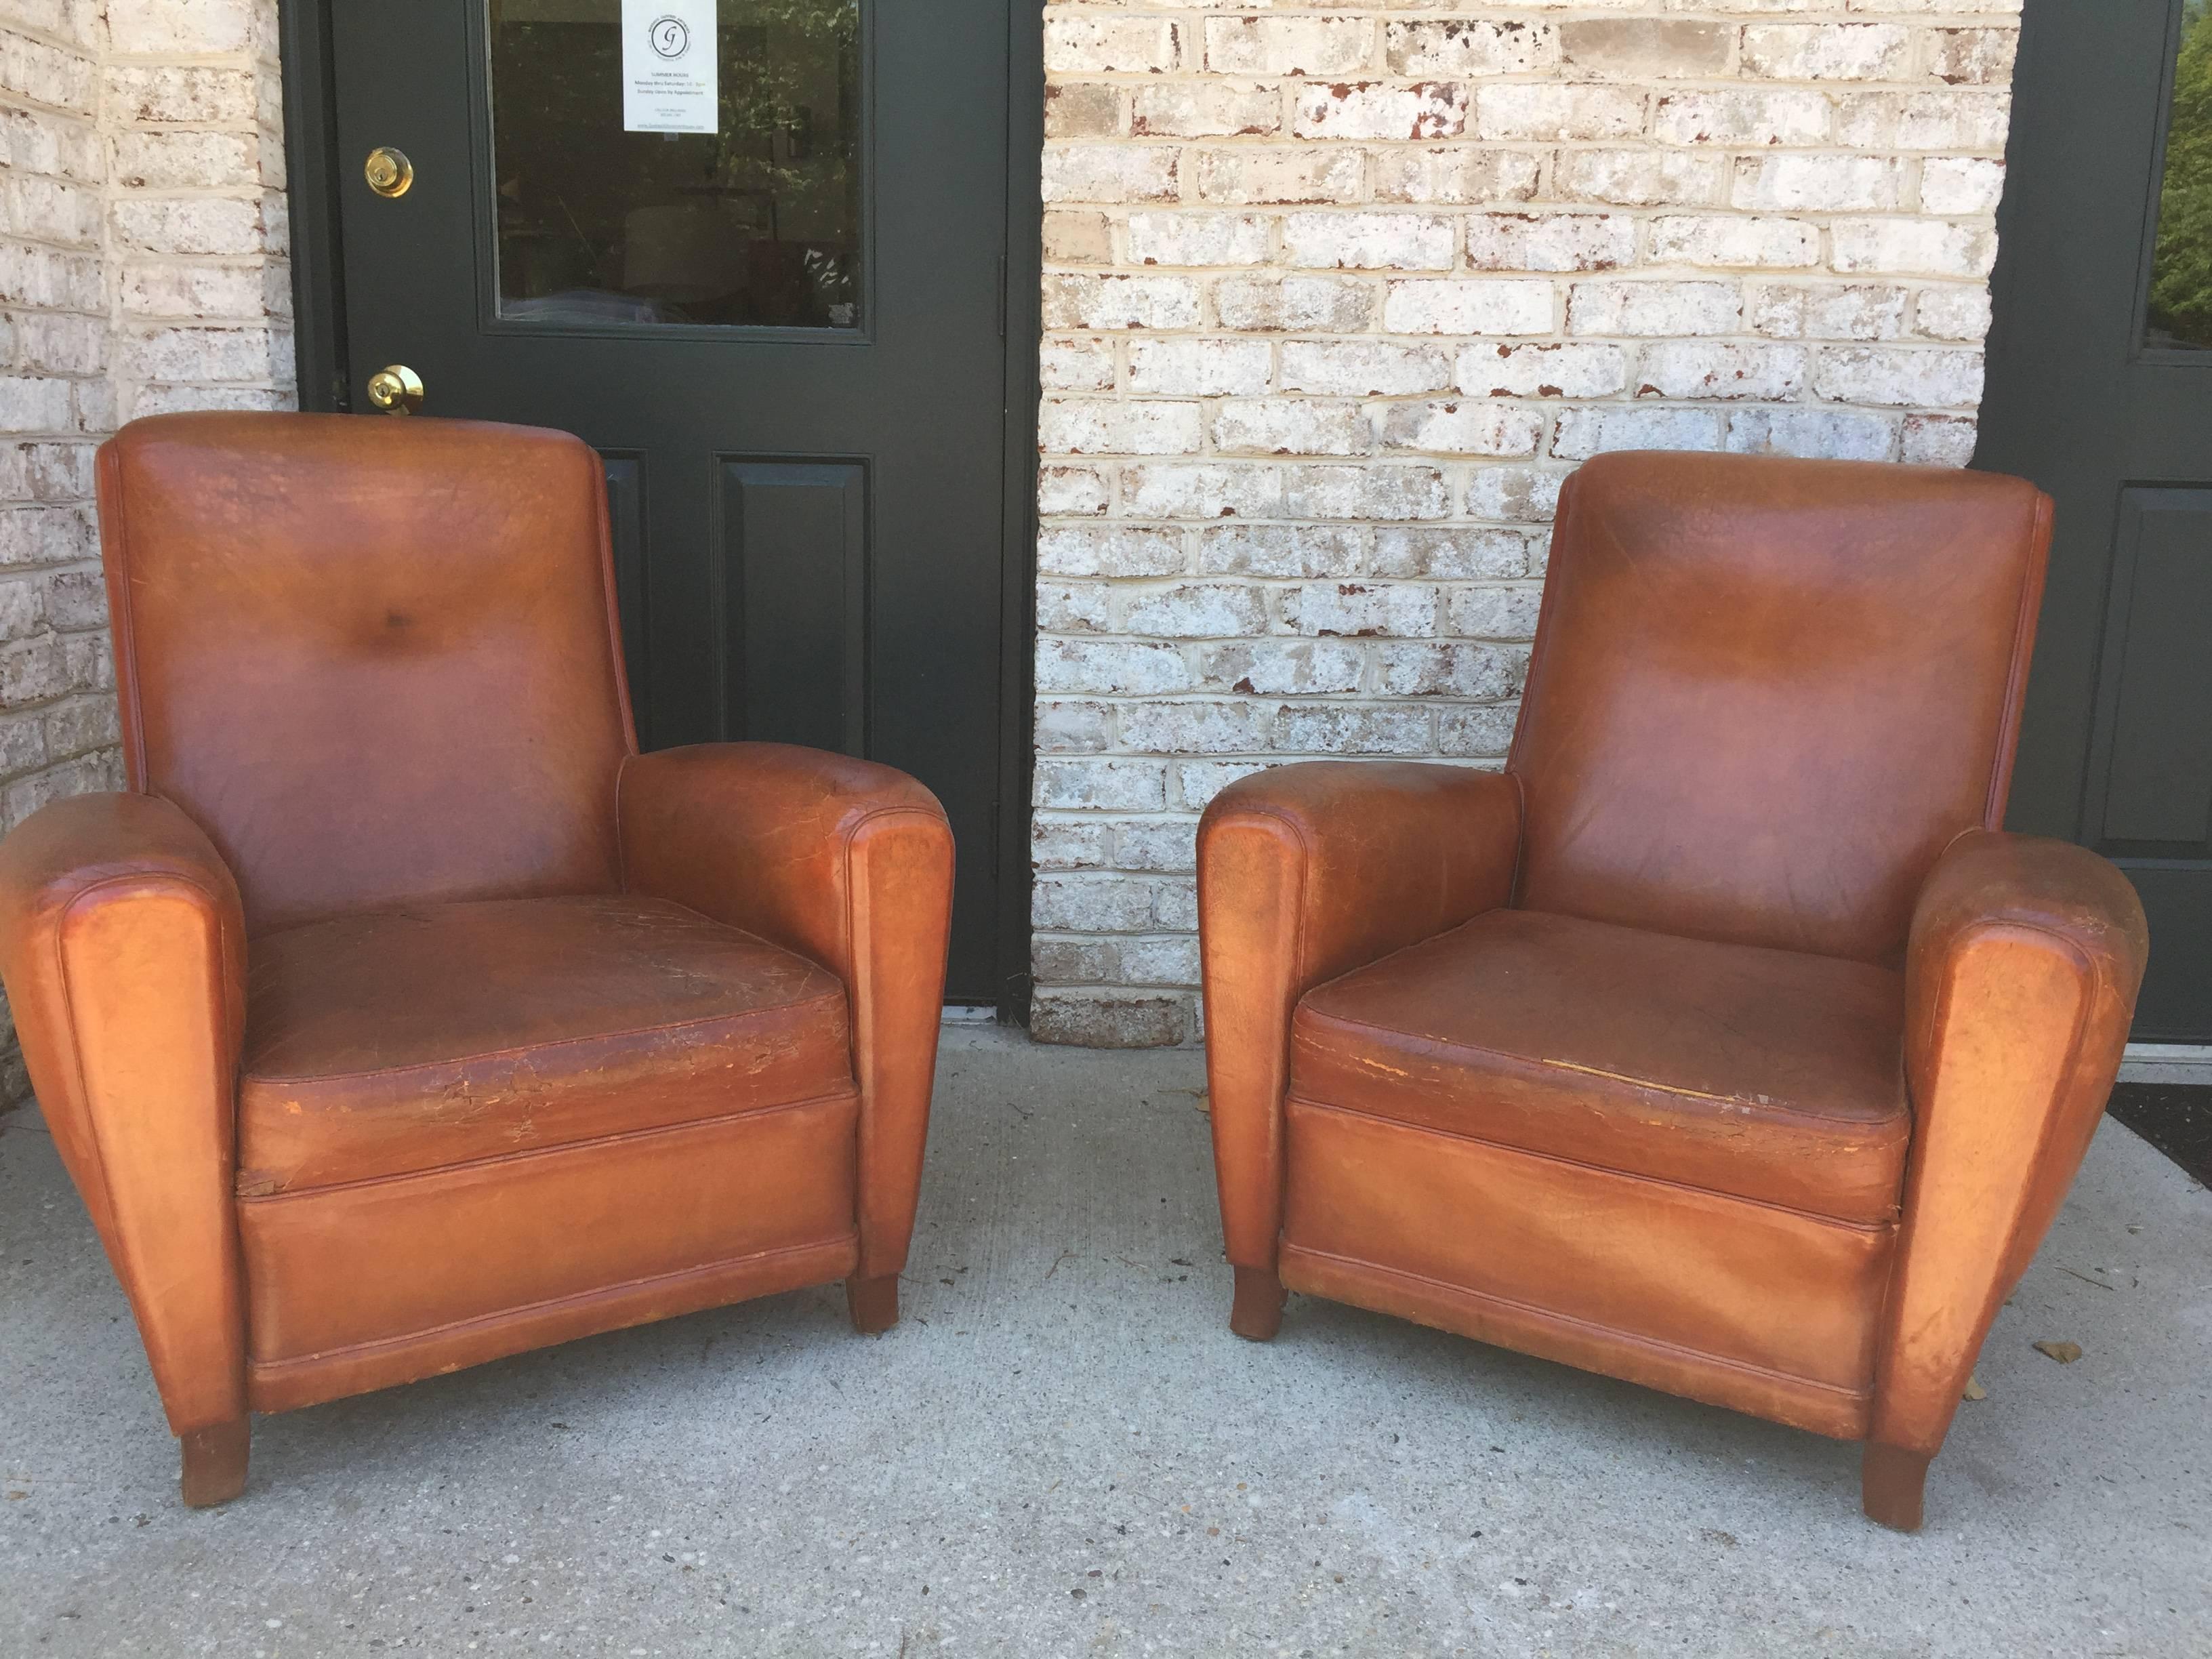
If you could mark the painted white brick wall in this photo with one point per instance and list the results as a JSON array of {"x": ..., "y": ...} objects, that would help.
[
  {"x": 1335, "y": 294},
  {"x": 142, "y": 269}
]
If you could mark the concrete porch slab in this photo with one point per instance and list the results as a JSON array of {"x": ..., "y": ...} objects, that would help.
[{"x": 1062, "y": 1450}]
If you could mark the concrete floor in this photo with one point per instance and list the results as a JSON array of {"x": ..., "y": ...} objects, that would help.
[{"x": 1063, "y": 1452}]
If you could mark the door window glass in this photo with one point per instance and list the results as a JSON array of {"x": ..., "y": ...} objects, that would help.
[
  {"x": 750, "y": 219},
  {"x": 2180, "y": 310}
]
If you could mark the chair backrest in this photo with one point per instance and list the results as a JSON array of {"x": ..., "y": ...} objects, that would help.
[
  {"x": 1765, "y": 693},
  {"x": 376, "y": 660}
]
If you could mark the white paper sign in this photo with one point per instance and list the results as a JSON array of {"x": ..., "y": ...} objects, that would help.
[{"x": 669, "y": 66}]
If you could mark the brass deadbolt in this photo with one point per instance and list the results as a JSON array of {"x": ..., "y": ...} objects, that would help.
[
  {"x": 396, "y": 390},
  {"x": 388, "y": 171}
]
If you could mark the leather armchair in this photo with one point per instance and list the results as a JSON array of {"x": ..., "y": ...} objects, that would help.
[
  {"x": 401, "y": 1016},
  {"x": 1722, "y": 1043}
]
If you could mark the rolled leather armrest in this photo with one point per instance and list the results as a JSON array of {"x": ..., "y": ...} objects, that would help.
[
  {"x": 123, "y": 945},
  {"x": 1305, "y": 873},
  {"x": 2021, "y": 978},
  {"x": 847, "y": 863}
]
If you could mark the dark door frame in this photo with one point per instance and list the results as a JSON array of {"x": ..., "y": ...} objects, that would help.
[{"x": 312, "y": 165}]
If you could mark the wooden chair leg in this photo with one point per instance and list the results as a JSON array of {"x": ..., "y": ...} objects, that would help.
[
  {"x": 873, "y": 1304},
  {"x": 1892, "y": 1483},
  {"x": 215, "y": 1463},
  {"x": 1257, "y": 1313}
]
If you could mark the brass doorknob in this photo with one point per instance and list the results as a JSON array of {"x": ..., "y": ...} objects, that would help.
[
  {"x": 388, "y": 171},
  {"x": 396, "y": 390}
]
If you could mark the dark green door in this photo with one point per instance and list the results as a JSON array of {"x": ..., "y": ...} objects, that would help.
[
  {"x": 2100, "y": 390},
  {"x": 752, "y": 253}
]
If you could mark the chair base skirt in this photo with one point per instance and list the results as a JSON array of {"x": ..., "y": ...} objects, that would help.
[
  {"x": 1838, "y": 1413},
  {"x": 287, "y": 1385}
]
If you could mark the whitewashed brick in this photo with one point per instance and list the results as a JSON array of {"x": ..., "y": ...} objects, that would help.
[
  {"x": 1364, "y": 369},
  {"x": 1102, "y": 426},
  {"x": 1369, "y": 241},
  {"x": 1205, "y": 109},
  {"x": 1550, "y": 241},
  {"x": 1548, "y": 112},
  {"x": 1484, "y": 306},
  {"x": 1912, "y": 247},
  {"x": 1828, "y": 51},
  {"x": 1929, "y": 378},
  {"x": 1955, "y": 313},
  {"x": 1694, "y": 369},
  {"x": 1642, "y": 178},
  {"x": 1456, "y": 47},
  {"x": 1833, "y": 434},
  {"x": 1111, "y": 172},
  {"x": 1121, "y": 302},
  {"x": 1453, "y": 174},
  {"x": 1365, "y": 492},
  {"x": 1251, "y": 175},
  {"x": 1199, "y": 368},
  {"x": 1735, "y": 241},
  {"x": 1111, "y": 667},
  {"x": 1289, "y": 426},
  {"x": 1825, "y": 311},
  {"x": 1287, "y": 45},
  {"x": 1110, "y": 551},
  {"x": 1960, "y": 184},
  {"x": 1284, "y": 668},
  {"x": 1371, "y": 109},
  {"x": 1076, "y": 364},
  {"x": 1306, "y": 549},
  {"x": 1457, "y": 555},
  {"x": 1653, "y": 308},
  {"x": 1584, "y": 433},
  {"x": 1454, "y": 669},
  {"x": 1794, "y": 181},
  {"x": 1197, "y": 239},
  {"x": 1938, "y": 439},
  {"x": 1302, "y": 305},
  {"x": 1202, "y": 491},
  {"x": 1397, "y": 610},
  {"x": 1092, "y": 45},
  {"x": 1542, "y": 371},
  {"x": 1742, "y": 116},
  {"x": 1462, "y": 426}
]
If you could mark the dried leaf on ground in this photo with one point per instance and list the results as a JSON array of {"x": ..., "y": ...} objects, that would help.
[
  {"x": 2064, "y": 1353},
  {"x": 1974, "y": 1389}
]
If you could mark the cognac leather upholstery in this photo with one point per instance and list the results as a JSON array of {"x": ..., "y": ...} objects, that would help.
[
  {"x": 401, "y": 1016},
  {"x": 1722, "y": 1041}
]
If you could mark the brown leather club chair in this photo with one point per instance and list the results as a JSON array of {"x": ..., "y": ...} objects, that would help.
[
  {"x": 402, "y": 1015},
  {"x": 1722, "y": 1042}
]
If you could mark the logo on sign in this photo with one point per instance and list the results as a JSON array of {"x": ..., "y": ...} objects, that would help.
[{"x": 670, "y": 38}]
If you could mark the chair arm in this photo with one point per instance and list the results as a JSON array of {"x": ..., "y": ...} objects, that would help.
[
  {"x": 1305, "y": 873},
  {"x": 2021, "y": 978},
  {"x": 847, "y": 863},
  {"x": 123, "y": 946}
]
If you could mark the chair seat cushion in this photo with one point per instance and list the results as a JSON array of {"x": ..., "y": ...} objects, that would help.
[
  {"x": 1757, "y": 1073},
  {"x": 398, "y": 1041}
]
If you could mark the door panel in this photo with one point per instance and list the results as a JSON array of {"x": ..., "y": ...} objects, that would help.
[
  {"x": 795, "y": 541},
  {"x": 784, "y": 334},
  {"x": 2100, "y": 390}
]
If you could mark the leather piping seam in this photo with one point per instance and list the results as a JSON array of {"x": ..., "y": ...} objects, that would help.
[
  {"x": 1751, "y": 1108},
  {"x": 2031, "y": 583},
  {"x": 250, "y": 1075},
  {"x": 325, "y": 1357},
  {"x": 126, "y": 632},
  {"x": 1550, "y": 1315},
  {"x": 1869, "y": 1228},
  {"x": 589, "y": 1144}
]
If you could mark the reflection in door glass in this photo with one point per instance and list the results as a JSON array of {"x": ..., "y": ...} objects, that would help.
[
  {"x": 756, "y": 222},
  {"x": 2181, "y": 273}
]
